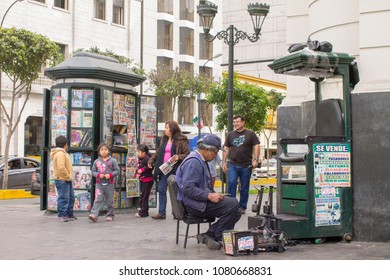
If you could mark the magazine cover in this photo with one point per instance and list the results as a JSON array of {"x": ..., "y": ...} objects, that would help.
[
  {"x": 82, "y": 177},
  {"x": 52, "y": 196},
  {"x": 87, "y": 98},
  {"x": 84, "y": 201},
  {"x": 75, "y": 137},
  {"x": 77, "y": 98},
  {"x": 75, "y": 118},
  {"x": 153, "y": 196},
  {"x": 132, "y": 188},
  {"x": 87, "y": 117}
]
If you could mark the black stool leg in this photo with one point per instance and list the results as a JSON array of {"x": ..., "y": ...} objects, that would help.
[
  {"x": 185, "y": 241},
  {"x": 177, "y": 231},
  {"x": 198, "y": 232}
]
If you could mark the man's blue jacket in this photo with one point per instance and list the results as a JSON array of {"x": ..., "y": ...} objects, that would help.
[{"x": 194, "y": 180}]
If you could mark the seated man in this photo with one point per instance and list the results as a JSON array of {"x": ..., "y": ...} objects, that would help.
[{"x": 197, "y": 193}]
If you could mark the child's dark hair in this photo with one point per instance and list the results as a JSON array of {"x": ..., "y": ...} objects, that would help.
[
  {"x": 143, "y": 148},
  {"x": 61, "y": 141},
  {"x": 104, "y": 144}
]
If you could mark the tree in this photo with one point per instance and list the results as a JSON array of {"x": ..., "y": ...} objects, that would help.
[
  {"x": 274, "y": 100},
  {"x": 248, "y": 100},
  {"x": 136, "y": 68},
  {"x": 173, "y": 84},
  {"x": 22, "y": 55}
]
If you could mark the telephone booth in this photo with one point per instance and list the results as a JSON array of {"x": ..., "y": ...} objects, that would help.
[
  {"x": 94, "y": 101},
  {"x": 314, "y": 172}
]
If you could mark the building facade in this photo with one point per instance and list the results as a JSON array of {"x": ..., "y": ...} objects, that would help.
[
  {"x": 151, "y": 33},
  {"x": 173, "y": 38}
]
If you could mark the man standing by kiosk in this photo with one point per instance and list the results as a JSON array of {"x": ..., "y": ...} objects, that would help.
[{"x": 242, "y": 147}]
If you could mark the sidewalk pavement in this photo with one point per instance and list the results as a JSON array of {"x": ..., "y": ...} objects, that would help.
[{"x": 26, "y": 233}]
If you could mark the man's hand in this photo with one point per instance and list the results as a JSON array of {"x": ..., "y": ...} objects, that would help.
[
  {"x": 255, "y": 163},
  {"x": 215, "y": 197},
  {"x": 224, "y": 167}
]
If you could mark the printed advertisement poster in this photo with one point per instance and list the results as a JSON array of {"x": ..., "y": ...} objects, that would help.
[
  {"x": 327, "y": 203},
  {"x": 332, "y": 165}
]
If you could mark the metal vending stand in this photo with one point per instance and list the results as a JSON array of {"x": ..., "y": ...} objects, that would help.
[{"x": 314, "y": 173}]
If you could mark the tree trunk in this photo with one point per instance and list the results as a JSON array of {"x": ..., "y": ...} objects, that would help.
[{"x": 12, "y": 127}]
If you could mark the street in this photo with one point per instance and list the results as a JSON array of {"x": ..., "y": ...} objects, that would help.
[{"x": 29, "y": 234}]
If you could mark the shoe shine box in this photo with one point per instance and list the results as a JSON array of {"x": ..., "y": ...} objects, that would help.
[{"x": 235, "y": 242}]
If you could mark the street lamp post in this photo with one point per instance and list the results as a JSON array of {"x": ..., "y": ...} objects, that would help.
[
  {"x": 199, "y": 100},
  {"x": 231, "y": 36},
  {"x": 1, "y": 110}
]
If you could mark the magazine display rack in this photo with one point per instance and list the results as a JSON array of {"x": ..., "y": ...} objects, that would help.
[
  {"x": 76, "y": 114},
  {"x": 80, "y": 137}
]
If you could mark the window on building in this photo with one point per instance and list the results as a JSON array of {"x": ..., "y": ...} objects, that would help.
[
  {"x": 164, "y": 63},
  {"x": 164, "y": 109},
  {"x": 207, "y": 71},
  {"x": 186, "y": 110},
  {"x": 165, "y": 6},
  {"x": 63, "y": 50},
  {"x": 164, "y": 35},
  {"x": 187, "y": 10},
  {"x": 118, "y": 12},
  {"x": 205, "y": 48},
  {"x": 186, "y": 66},
  {"x": 100, "y": 9},
  {"x": 186, "y": 41},
  {"x": 63, "y": 4},
  {"x": 42, "y": 1},
  {"x": 206, "y": 111}
]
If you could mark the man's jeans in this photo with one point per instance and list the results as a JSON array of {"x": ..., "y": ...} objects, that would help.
[
  {"x": 65, "y": 200},
  {"x": 244, "y": 173}
]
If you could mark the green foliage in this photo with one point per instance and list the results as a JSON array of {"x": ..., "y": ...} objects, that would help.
[
  {"x": 248, "y": 100},
  {"x": 177, "y": 83},
  {"x": 136, "y": 68},
  {"x": 23, "y": 53},
  {"x": 275, "y": 98}
]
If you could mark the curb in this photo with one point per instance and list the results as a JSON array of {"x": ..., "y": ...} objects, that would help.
[{"x": 16, "y": 194}]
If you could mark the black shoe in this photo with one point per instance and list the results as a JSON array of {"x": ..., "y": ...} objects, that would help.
[
  {"x": 209, "y": 241},
  {"x": 241, "y": 210},
  {"x": 201, "y": 238}
]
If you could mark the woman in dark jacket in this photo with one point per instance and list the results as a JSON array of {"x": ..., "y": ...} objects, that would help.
[{"x": 173, "y": 144}]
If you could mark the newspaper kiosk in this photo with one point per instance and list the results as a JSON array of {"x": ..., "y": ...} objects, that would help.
[
  {"x": 93, "y": 101},
  {"x": 314, "y": 172}
]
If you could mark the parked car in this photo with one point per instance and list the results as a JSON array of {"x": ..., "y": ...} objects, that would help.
[
  {"x": 36, "y": 186},
  {"x": 20, "y": 170}
]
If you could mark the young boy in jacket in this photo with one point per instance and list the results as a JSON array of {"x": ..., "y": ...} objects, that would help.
[{"x": 62, "y": 173}]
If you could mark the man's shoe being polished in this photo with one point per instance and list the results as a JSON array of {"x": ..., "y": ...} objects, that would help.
[{"x": 209, "y": 241}]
